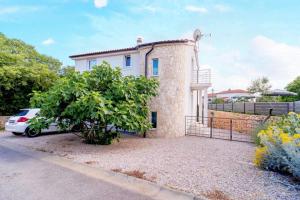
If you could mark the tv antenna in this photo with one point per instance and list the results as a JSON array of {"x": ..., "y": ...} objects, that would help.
[{"x": 197, "y": 37}]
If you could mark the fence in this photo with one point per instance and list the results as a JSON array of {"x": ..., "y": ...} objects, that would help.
[
  {"x": 259, "y": 108},
  {"x": 222, "y": 128}
]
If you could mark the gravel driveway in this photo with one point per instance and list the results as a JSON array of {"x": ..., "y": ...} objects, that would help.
[{"x": 201, "y": 166}]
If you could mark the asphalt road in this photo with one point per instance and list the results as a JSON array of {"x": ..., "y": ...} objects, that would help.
[{"x": 23, "y": 177}]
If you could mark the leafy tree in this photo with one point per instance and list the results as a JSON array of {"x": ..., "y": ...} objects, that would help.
[
  {"x": 260, "y": 85},
  {"x": 15, "y": 52},
  {"x": 17, "y": 84},
  {"x": 23, "y": 70},
  {"x": 99, "y": 103},
  {"x": 293, "y": 86},
  {"x": 67, "y": 70}
]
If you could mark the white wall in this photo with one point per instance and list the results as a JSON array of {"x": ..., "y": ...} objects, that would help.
[
  {"x": 230, "y": 95},
  {"x": 115, "y": 61}
]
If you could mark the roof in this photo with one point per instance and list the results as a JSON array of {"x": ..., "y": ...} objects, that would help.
[
  {"x": 131, "y": 48},
  {"x": 278, "y": 92},
  {"x": 232, "y": 91}
]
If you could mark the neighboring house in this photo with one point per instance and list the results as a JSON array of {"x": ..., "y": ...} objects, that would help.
[
  {"x": 174, "y": 64},
  {"x": 231, "y": 95}
]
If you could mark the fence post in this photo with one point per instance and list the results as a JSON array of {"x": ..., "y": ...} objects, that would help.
[
  {"x": 254, "y": 109},
  {"x": 185, "y": 125},
  {"x": 244, "y": 107},
  {"x": 223, "y": 107},
  {"x": 288, "y": 107},
  {"x": 294, "y": 106},
  {"x": 231, "y": 106},
  {"x": 230, "y": 129},
  {"x": 211, "y": 127}
]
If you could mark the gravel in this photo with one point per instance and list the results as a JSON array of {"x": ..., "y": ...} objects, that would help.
[{"x": 192, "y": 164}]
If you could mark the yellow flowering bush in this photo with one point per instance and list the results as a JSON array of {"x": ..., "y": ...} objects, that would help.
[{"x": 279, "y": 147}]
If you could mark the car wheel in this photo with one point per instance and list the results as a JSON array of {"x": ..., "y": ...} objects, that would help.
[
  {"x": 17, "y": 134},
  {"x": 31, "y": 133}
]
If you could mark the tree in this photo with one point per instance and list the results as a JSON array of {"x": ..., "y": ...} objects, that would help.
[
  {"x": 66, "y": 70},
  {"x": 293, "y": 86},
  {"x": 23, "y": 70},
  {"x": 260, "y": 85},
  {"x": 17, "y": 84},
  {"x": 99, "y": 103},
  {"x": 15, "y": 52}
]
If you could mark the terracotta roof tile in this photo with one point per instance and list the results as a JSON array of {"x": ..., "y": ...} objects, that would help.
[
  {"x": 232, "y": 91},
  {"x": 130, "y": 48}
]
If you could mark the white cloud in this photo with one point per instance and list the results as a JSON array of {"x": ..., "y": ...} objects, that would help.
[
  {"x": 18, "y": 9},
  {"x": 278, "y": 60},
  {"x": 100, "y": 3},
  {"x": 146, "y": 8},
  {"x": 149, "y": 8},
  {"x": 197, "y": 9},
  {"x": 222, "y": 8},
  {"x": 264, "y": 57},
  {"x": 48, "y": 42},
  {"x": 8, "y": 10}
]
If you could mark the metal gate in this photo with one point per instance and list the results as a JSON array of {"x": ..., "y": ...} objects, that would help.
[{"x": 222, "y": 128}]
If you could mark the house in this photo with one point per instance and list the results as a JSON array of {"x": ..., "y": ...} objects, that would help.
[
  {"x": 174, "y": 64},
  {"x": 231, "y": 95}
]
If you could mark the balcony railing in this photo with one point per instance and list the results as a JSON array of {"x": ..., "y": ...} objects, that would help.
[{"x": 201, "y": 77}]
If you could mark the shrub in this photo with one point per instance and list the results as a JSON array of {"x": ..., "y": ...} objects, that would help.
[
  {"x": 256, "y": 131},
  {"x": 98, "y": 103},
  {"x": 279, "y": 148}
]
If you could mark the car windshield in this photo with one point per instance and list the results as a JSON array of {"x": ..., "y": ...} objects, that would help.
[{"x": 22, "y": 113}]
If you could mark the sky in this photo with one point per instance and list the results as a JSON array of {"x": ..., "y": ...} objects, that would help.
[{"x": 249, "y": 38}]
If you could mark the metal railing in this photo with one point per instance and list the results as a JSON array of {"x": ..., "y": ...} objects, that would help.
[
  {"x": 222, "y": 128},
  {"x": 201, "y": 76}
]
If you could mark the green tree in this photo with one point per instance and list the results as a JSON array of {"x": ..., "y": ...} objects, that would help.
[
  {"x": 66, "y": 70},
  {"x": 293, "y": 86},
  {"x": 259, "y": 85},
  {"x": 23, "y": 70},
  {"x": 17, "y": 84},
  {"x": 15, "y": 52},
  {"x": 98, "y": 103}
]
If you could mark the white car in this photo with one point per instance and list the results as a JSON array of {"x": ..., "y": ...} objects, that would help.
[{"x": 18, "y": 124}]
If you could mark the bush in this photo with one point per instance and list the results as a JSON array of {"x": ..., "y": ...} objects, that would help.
[
  {"x": 98, "y": 103},
  {"x": 279, "y": 148}
]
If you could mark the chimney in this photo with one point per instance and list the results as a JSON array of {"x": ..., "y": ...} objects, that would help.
[{"x": 139, "y": 41}]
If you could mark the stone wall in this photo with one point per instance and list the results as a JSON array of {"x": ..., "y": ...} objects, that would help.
[
  {"x": 3, "y": 119},
  {"x": 242, "y": 123},
  {"x": 171, "y": 104}
]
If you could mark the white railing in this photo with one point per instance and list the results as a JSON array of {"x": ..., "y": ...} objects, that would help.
[{"x": 201, "y": 76}]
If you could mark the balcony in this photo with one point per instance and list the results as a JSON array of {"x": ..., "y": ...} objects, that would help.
[{"x": 201, "y": 79}]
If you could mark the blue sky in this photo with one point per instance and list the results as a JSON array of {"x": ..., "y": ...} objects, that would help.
[{"x": 249, "y": 38}]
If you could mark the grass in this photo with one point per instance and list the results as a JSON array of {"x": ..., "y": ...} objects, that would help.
[
  {"x": 216, "y": 195},
  {"x": 135, "y": 173}
]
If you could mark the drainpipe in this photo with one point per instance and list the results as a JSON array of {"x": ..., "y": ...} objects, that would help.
[
  {"x": 146, "y": 69},
  {"x": 146, "y": 60}
]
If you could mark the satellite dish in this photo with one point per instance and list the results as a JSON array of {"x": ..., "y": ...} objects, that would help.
[{"x": 197, "y": 35}]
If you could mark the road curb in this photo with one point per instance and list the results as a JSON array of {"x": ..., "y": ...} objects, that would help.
[{"x": 136, "y": 185}]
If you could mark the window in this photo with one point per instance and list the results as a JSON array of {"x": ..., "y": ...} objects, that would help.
[
  {"x": 22, "y": 113},
  {"x": 92, "y": 63},
  {"x": 154, "y": 119},
  {"x": 127, "y": 61},
  {"x": 155, "y": 67}
]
